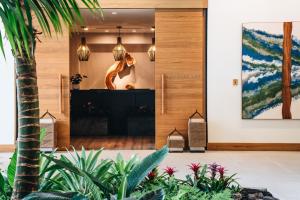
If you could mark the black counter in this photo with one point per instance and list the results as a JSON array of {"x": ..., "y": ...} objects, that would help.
[{"x": 112, "y": 112}]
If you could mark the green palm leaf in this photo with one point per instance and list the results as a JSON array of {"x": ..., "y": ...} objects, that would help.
[{"x": 51, "y": 15}]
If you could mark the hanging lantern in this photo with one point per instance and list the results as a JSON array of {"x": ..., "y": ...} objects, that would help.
[
  {"x": 83, "y": 51},
  {"x": 151, "y": 51},
  {"x": 119, "y": 50}
]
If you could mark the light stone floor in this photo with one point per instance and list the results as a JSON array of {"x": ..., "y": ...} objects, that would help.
[{"x": 277, "y": 171}]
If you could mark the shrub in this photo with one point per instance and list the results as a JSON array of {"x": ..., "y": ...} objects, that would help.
[{"x": 84, "y": 176}]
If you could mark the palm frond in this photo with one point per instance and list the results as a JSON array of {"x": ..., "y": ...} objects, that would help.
[{"x": 51, "y": 15}]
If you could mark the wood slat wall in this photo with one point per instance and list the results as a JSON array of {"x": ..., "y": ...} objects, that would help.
[
  {"x": 52, "y": 58},
  {"x": 151, "y": 3},
  {"x": 7, "y": 148},
  {"x": 180, "y": 44},
  {"x": 180, "y": 39}
]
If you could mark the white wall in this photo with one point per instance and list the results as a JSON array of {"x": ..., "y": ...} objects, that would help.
[
  {"x": 225, "y": 20},
  {"x": 7, "y": 101}
]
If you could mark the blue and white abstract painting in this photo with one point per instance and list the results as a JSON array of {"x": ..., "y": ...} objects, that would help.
[{"x": 262, "y": 71}]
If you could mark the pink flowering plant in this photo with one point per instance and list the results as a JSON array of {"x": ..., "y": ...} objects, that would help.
[
  {"x": 211, "y": 177},
  {"x": 205, "y": 179}
]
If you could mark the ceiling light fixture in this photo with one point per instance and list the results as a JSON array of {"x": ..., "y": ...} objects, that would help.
[
  {"x": 83, "y": 51},
  {"x": 119, "y": 50},
  {"x": 152, "y": 28}
]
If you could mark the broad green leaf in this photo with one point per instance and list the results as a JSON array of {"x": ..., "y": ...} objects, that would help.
[
  {"x": 103, "y": 168},
  {"x": 141, "y": 170},
  {"x": 122, "y": 189},
  {"x": 55, "y": 196},
  {"x": 11, "y": 169}
]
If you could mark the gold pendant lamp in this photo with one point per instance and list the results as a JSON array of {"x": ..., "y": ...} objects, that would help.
[
  {"x": 119, "y": 50},
  {"x": 83, "y": 51}
]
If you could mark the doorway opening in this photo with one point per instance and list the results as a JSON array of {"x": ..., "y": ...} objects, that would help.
[{"x": 112, "y": 76}]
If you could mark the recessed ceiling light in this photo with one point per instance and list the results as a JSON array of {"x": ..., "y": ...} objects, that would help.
[
  {"x": 106, "y": 31},
  {"x": 152, "y": 28},
  {"x": 114, "y": 13},
  {"x": 134, "y": 31}
]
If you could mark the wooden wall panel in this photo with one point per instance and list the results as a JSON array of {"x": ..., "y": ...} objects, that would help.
[
  {"x": 180, "y": 39},
  {"x": 52, "y": 58},
  {"x": 151, "y": 3},
  {"x": 180, "y": 44},
  {"x": 253, "y": 146},
  {"x": 7, "y": 148}
]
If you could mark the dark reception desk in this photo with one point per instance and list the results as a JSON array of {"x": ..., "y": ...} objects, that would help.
[{"x": 102, "y": 112}]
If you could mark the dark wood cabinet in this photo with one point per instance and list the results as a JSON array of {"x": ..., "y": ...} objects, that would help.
[{"x": 105, "y": 112}]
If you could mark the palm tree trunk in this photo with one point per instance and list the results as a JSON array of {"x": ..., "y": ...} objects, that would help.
[
  {"x": 286, "y": 71},
  {"x": 28, "y": 144}
]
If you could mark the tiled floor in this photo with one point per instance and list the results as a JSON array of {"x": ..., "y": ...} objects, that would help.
[{"x": 277, "y": 171}]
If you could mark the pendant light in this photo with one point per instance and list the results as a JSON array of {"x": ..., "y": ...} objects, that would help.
[
  {"x": 152, "y": 49},
  {"x": 83, "y": 51},
  {"x": 119, "y": 50}
]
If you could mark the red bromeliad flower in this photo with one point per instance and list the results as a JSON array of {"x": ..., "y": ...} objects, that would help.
[
  {"x": 170, "y": 171},
  {"x": 221, "y": 171},
  {"x": 195, "y": 167},
  {"x": 153, "y": 174}
]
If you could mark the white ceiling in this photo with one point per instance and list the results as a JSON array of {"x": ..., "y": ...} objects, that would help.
[{"x": 131, "y": 20}]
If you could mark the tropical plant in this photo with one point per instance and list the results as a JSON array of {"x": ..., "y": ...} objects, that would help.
[
  {"x": 119, "y": 171},
  {"x": 211, "y": 178},
  {"x": 191, "y": 193},
  {"x": 55, "y": 196},
  {"x": 206, "y": 182},
  {"x": 77, "y": 78},
  {"x": 5, "y": 189},
  {"x": 71, "y": 181},
  {"x": 84, "y": 176},
  {"x": 106, "y": 179},
  {"x": 17, "y": 18}
]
